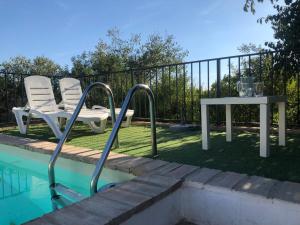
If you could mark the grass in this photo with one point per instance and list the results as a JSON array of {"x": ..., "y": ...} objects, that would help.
[{"x": 241, "y": 155}]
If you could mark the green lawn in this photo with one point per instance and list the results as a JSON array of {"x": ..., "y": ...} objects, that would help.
[{"x": 242, "y": 155}]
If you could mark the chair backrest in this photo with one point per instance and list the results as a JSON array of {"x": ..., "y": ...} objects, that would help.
[
  {"x": 71, "y": 92},
  {"x": 40, "y": 94}
]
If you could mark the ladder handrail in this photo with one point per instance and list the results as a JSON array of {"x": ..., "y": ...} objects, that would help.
[
  {"x": 51, "y": 173},
  {"x": 115, "y": 130}
]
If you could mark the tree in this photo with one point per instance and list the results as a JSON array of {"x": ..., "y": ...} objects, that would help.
[
  {"x": 249, "y": 48},
  {"x": 45, "y": 66},
  {"x": 18, "y": 64},
  {"x": 159, "y": 51},
  {"x": 39, "y": 66},
  {"x": 122, "y": 54},
  {"x": 286, "y": 26}
]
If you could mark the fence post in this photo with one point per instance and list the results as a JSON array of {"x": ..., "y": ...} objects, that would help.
[
  {"x": 218, "y": 119},
  {"x": 133, "y": 104},
  {"x": 6, "y": 96},
  {"x": 22, "y": 90},
  {"x": 298, "y": 98},
  {"x": 183, "y": 118}
]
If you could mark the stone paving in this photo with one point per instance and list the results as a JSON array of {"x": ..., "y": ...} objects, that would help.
[{"x": 156, "y": 179}]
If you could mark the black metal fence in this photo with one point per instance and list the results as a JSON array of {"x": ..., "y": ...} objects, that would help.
[{"x": 178, "y": 88}]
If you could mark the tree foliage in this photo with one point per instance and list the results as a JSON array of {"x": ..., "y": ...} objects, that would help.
[
  {"x": 45, "y": 66},
  {"x": 122, "y": 54},
  {"x": 40, "y": 65},
  {"x": 18, "y": 64},
  {"x": 286, "y": 25}
]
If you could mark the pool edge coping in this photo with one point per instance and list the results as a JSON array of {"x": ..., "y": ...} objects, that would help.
[{"x": 182, "y": 173}]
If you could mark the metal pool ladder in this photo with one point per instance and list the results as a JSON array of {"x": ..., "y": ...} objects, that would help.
[{"x": 61, "y": 194}]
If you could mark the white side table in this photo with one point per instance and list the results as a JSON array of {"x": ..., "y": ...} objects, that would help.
[{"x": 264, "y": 104}]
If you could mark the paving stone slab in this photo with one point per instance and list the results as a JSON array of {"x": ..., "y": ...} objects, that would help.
[
  {"x": 226, "y": 179},
  {"x": 143, "y": 188},
  {"x": 256, "y": 185},
  {"x": 40, "y": 146},
  {"x": 75, "y": 215},
  {"x": 87, "y": 153},
  {"x": 72, "y": 150},
  {"x": 202, "y": 175},
  {"x": 141, "y": 196},
  {"x": 48, "y": 145},
  {"x": 114, "y": 160},
  {"x": 107, "y": 208},
  {"x": 67, "y": 148},
  {"x": 93, "y": 158},
  {"x": 124, "y": 197},
  {"x": 182, "y": 171},
  {"x": 12, "y": 140},
  {"x": 158, "y": 180},
  {"x": 128, "y": 165},
  {"x": 38, "y": 221},
  {"x": 286, "y": 191},
  {"x": 166, "y": 168},
  {"x": 148, "y": 167}
]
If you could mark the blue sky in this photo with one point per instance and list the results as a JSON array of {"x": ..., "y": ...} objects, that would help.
[{"x": 62, "y": 29}]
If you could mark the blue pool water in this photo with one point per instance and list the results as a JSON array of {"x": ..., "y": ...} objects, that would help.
[{"x": 24, "y": 187}]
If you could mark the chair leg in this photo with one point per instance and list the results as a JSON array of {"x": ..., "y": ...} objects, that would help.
[
  {"x": 62, "y": 122},
  {"x": 127, "y": 122},
  {"x": 98, "y": 129},
  {"x": 54, "y": 125},
  {"x": 19, "y": 118},
  {"x": 27, "y": 123}
]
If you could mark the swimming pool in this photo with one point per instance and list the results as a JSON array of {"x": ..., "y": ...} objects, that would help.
[{"x": 24, "y": 187}]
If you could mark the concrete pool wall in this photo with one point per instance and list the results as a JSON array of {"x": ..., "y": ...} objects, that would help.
[{"x": 215, "y": 205}]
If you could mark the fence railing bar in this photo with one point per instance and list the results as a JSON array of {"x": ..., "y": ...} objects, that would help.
[
  {"x": 156, "y": 93},
  {"x": 192, "y": 93},
  {"x": 272, "y": 85},
  {"x": 6, "y": 96},
  {"x": 298, "y": 98},
  {"x": 260, "y": 67},
  {"x": 229, "y": 77},
  {"x": 200, "y": 91},
  {"x": 170, "y": 94},
  {"x": 184, "y": 95},
  {"x": 239, "y": 62},
  {"x": 163, "y": 88},
  {"x": 176, "y": 82},
  {"x": 249, "y": 62},
  {"x": 208, "y": 79}
]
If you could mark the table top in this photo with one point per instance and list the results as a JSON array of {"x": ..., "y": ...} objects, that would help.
[{"x": 243, "y": 100}]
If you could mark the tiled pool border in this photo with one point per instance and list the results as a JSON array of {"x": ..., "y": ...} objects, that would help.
[{"x": 155, "y": 179}]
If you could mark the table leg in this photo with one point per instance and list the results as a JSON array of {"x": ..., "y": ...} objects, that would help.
[
  {"x": 205, "y": 127},
  {"x": 281, "y": 123},
  {"x": 228, "y": 124},
  {"x": 264, "y": 130}
]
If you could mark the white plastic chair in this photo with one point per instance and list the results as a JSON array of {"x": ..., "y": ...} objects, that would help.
[
  {"x": 42, "y": 104},
  {"x": 71, "y": 93}
]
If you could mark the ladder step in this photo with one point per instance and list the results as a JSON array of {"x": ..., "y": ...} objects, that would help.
[
  {"x": 60, "y": 201},
  {"x": 68, "y": 193},
  {"x": 107, "y": 186}
]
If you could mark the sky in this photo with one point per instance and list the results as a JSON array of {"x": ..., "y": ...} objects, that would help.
[{"x": 60, "y": 29}]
